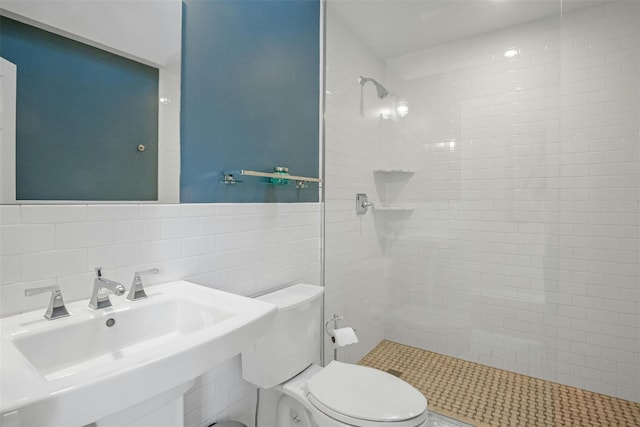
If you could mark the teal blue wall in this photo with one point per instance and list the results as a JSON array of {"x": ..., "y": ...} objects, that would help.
[
  {"x": 250, "y": 97},
  {"x": 80, "y": 114}
]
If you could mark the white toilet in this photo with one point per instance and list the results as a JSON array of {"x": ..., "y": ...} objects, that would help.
[{"x": 337, "y": 395}]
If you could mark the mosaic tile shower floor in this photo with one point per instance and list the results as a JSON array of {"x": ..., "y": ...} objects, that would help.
[{"x": 483, "y": 396}]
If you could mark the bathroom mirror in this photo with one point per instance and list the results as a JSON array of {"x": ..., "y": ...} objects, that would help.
[{"x": 145, "y": 31}]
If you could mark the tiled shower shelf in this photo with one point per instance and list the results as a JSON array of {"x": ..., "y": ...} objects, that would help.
[
  {"x": 430, "y": 240},
  {"x": 394, "y": 172},
  {"x": 398, "y": 209}
]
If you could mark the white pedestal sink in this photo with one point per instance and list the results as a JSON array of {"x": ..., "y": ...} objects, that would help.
[{"x": 77, "y": 370}]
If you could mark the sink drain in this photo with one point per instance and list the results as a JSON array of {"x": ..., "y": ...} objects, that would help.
[{"x": 111, "y": 322}]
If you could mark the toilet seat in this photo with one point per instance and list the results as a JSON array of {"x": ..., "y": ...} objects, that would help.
[{"x": 366, "y": 397}]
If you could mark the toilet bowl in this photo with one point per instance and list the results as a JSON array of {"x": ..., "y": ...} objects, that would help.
[{"x": 337, "y": 395}]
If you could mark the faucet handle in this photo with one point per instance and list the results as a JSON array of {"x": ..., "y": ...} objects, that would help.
[
  {"x": 137, "y": 274},
  {"x": 56, "y": 307},
  {"x": 136, "y": 291},
  {"x": 37, "y": 291}
]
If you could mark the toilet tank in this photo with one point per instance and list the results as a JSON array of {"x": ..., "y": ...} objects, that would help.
[{"x": 293, "y": 343}]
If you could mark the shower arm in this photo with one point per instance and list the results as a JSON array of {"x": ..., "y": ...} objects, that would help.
[{"x": 382, "y": 91}]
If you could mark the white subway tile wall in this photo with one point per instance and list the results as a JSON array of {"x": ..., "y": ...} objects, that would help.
[
  {"x": 243, "y": 249},
  {"x": 523, "y": 249},
  {"x": 354, "y": 263}
]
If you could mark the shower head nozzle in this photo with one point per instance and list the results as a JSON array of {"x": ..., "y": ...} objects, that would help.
[{"x": 382, "y": 91}]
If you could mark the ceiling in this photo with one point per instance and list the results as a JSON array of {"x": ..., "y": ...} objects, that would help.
[{"x": 396, "y": 27}]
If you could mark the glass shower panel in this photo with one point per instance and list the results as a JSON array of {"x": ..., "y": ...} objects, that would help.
[
  {"x": 503, "y": 168},
  {"x": 354, "y": 263},
  {"x": 470, "y": 267}
]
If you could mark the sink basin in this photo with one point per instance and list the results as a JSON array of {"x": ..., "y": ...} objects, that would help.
[
  {"x": 135, "y": 328},
  {"x": 82, "y": 368}
]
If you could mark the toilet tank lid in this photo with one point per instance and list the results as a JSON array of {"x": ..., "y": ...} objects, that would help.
[{"x": 293, "y": 296}]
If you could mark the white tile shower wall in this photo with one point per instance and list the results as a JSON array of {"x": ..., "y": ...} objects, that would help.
[
  {"x": 244, "y": 249},
  {"x": 354, "y": 266},
  {"x": 523, "y": 251}
]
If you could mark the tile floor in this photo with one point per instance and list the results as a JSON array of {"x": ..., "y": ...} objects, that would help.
[{"x": 483, "y": 396}]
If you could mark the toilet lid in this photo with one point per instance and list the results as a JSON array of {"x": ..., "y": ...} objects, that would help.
[{"x": 365, "y": 393}]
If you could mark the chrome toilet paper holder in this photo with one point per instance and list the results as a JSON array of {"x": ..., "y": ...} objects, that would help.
[{"x": 334, "y": 319}]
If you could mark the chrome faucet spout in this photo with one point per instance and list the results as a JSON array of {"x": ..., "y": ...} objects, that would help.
[
  {"x": 100, "y": 299},
  {"x": 115, "y": 287}
]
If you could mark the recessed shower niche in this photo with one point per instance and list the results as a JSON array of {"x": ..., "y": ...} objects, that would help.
[
  {"x": 391, "y": 214},
  {"x": 389, "y": 184}
]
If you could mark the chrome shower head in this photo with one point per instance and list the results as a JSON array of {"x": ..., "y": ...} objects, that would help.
[{"x": 382, "y": 91}]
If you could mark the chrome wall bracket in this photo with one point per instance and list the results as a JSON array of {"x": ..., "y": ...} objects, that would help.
[{"x": 362, "y": 204}]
